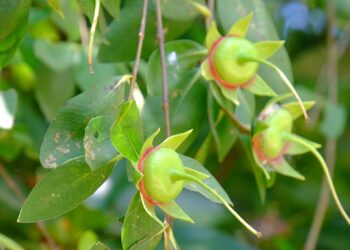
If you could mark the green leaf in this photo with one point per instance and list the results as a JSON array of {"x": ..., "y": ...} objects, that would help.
[
  {"x": 113, "y": 7},
  {"x": 230, "y": 94},
  {"x": 58, "y": 56},
  {"x": 260, "y": 87},
  {"x": 334, "y": 122},
  {"x": 241, "y": 26},
  {"x": 175, "y": 141},
  {"x": 140, "y": 230},
  {"x": 62, "y": 190},
  {"x": 97, "y": 142},
  {"x": 261, "y": 28},
  {"x": 227, "y": 137},
  {"x": 283, "y": 167},
  {"x": 175, "y": 211},
  {"x": 49, "y": 83},
  {"x": 127, "y": 132},
  {"x": 122, "y": 34},
  {"x": 8, "y": 106},
  {"x": 64, "y": 138},
  {"x": 295, "y": 109},
  {"x": 211, "y": 181},
  {"x": 223, "y": 102},
  {"x": 99, "y": 246},
  {"x": 183, "y": 10},
  {"x": 56, "y": 6},
  {"x": 8, "y": 243},
  {"x": 245, "y": 112},
  {"x": 87, "y": 7},
  {"x": 87, "y": 240},
  {"x": 268, "y": 48},
  {"x": 212, "y": 36}
]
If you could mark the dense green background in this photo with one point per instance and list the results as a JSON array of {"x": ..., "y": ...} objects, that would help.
[{"x": 50, "y": 67}]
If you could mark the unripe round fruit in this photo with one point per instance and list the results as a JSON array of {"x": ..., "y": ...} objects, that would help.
[
  {"x": 225, "y": 60},
  {"x": 270, "y": 143},
  {"x": 281, "y": 119},
  {"x": 157, "y": 175}
]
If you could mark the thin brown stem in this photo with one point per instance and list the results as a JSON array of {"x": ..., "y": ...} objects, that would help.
[
  {"x": 331, "y": 145},
  {"x": 139, "y": 48},
  {"x": 14, "y": 187},
  {"x": 241, "y": 127},
  {"x": 160, "y": 36}
]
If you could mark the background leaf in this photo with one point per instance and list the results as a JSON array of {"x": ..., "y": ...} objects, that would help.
[
  {"x": 64, "y": 137},
  {"x": 62, "y": 190},
  {"x": 8, "y": 105},
  {"x": 140, "y": 230}
]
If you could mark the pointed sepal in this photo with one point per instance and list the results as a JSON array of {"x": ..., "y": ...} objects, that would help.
[
  {"x": 175, "y": 211},
  {"x": 201, "y": 8},
  {"x": 295, "y": 109},
  {"x": 230, "y": 94},
  {"x": 149, "y": 208},
  {"x": 205, "y": 70},
  {"x": 149, "y": 141},
  {"x": 175, "y": 141},
  {"x": 212, "y": 36},
  {"x": 240, "y": 27},
  {"x": 297, "y": 148},
  {"x": 283, "y": 167},
  {"x": 260, "y": 87},
  {"x": 267, "y": 48}
]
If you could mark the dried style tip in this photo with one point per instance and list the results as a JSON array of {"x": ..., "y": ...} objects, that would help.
[{"x": 92, "y": 34}]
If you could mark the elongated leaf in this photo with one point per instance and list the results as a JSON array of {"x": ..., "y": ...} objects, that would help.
[
  {"x": 62, "y": 190},
  {"x": 97, "y": 142},
  {"x": 127, "y": 133},
  {"x": 64, "y": 138},
  {"x": 140, "y": 230},
  {"x": 180, "y": 9},
  {"x": 56, "y": 6},
  {"x": 175, "y": 211},
  {"x": 175, "y": 141},
  {"x": 334, "y": 121},
  {"x": 112, "y": 6},
  {"x": 9, "y": 243},
  {"x": 230, "y": 94},
  {"x": 240, "y": 27},
  {"x": 8, "y": 105},
  {"x": 227, "y": 137},
  {"x": 211, "y": 181}
]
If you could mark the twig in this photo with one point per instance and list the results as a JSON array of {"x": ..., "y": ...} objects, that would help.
[
  {"x": 92, "y": 33},
  {"x": 160, "y": 35},
  {"x": 84, "y": 34},
  {"x": 210, "y": 4},
  {"x": 241, "y": 127},
  {"x": 13, "y": 186},
  {"x": 331, "y": 145},
  {"x": 139, "y": 48}
]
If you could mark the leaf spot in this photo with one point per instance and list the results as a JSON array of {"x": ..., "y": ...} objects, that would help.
[
  {"x": 57, "y": 137},
  {"x": 50, "y": 162},
  {"x": 63, "y": 150}
]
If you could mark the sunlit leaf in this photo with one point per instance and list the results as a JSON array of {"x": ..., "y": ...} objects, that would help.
[
  {"x": 241, "y": 26},
  {"x": 267, "y": 48},
  {"x": 175, "y": 141}
]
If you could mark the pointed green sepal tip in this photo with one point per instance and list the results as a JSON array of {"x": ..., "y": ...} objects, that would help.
[
  {"x": 149, "y": 141},
  {"x": 202, "y": 9},
  {"x": 268, "y": 48},
  {"x": 212, "y": 36},
  {"x": 260, "y": 87},
  {"x": 230, "y": 94},
  {"x": 296, "y": 109},
  {"x": 173, "y": 142},
  {"x": 205, "y": 71},
  {"x": 282, "y": 167},
  {"x": 240, "y": 27},
  {"x": 174, "y": 210}
]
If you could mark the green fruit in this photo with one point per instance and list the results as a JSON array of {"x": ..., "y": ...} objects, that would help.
[
  {"x": 280, "y": 119},
  {"x": 271, "y": 143},
  {"x": 157, "y": 179},
  {"x": 226, "y": 60}
]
